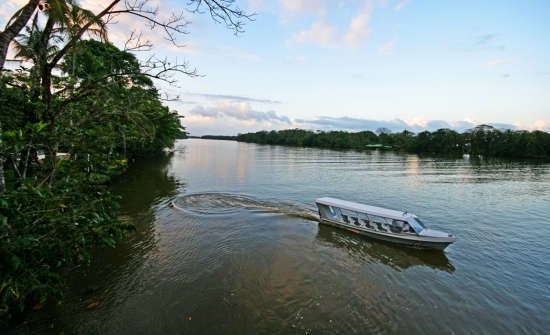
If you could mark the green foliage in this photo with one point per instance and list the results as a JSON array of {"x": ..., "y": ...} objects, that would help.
[
  {"x": 219, "y": 137},
  {"x": 483, "y": 140},
  {"x": 124, "y": 114},
  {"x": 56, "y": 209},
  {"x": 42, "y": 231}
]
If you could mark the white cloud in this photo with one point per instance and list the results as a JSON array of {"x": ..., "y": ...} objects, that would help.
[
  {"x": 402, "y": 4},
  {"x": 320, "y": 33},
  {"x": 296, "y": 59},
  {"x": 358, "y": 29},
  {"x": 296, "y": 6},
  {"x": 230, "y": 118},
  {"x": 496, "y": 62},
  {"x": 238, "y": 110},
  {"x": 9, "y": 8},
  {"x": 326, "y": 35},
  {"x": 387, "y": 48},
  {"x": 395, "y": 125},
  {"x": 536, "y": 125}
]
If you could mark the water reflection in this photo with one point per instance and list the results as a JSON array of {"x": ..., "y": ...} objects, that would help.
[
  {"x": 145, "y": 187},
  {"x": 399, "y": 258},
  {"x": 249, "y": 259},
  {"x": 146, "y": 183}
]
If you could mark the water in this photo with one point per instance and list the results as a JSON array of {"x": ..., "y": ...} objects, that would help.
[{"x": 241, "y": 252}]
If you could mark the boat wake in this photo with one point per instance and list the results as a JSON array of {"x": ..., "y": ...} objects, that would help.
[{"x": 226, "y": 203}]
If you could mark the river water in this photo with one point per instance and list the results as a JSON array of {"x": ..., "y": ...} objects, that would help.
[{"x": 241, "y": 252}]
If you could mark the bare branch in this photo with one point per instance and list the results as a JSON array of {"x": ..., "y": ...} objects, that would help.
[
  {"x": 164, "y": 96},
  {"x": 172, "y": 27},
  {"x": 135, "y": 43},
  {"x": 224, "y": 11},
  {"x": 163, "y": 70}
]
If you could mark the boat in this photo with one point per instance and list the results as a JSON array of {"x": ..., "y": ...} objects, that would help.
[
  {"x": 378, "y": 146},
  {"x": 381, "y": 223}
]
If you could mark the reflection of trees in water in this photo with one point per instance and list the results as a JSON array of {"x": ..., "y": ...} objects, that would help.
[
  {"x": 145, "y": 185},
  {"x": 398, "y": 257},
  {"x": 490, "y": 169}
]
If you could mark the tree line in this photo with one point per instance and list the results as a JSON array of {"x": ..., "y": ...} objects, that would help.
[
  {"x": 483, "y": 140},
  {"x": 75, "y": 112}
]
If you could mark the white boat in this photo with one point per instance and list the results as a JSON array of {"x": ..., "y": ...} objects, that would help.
[{"x": 381, "y": 223}]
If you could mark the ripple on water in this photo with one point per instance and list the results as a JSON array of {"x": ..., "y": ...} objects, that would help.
[{"x": 233, "y": 262}]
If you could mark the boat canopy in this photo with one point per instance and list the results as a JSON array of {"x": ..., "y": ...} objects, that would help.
[
  {"x": 372, "y": 210},
  {"x": 366, "y": 209}
]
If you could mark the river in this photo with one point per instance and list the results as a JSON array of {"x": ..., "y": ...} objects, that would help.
[{"x": 246, "y": 256}]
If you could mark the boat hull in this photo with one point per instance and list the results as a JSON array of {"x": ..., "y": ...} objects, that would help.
[{"x": 412, "y": 241}]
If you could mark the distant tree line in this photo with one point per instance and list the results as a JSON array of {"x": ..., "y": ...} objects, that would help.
[
  {"x": 219, "y": 137},
  {"x": 483, "y": 140}
]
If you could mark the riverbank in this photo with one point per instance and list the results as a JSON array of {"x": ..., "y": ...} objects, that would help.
[
  {"x": 482, "y": 141},
  {"x": 223, "y": 266},
  {"x": 55, "y": 209}
]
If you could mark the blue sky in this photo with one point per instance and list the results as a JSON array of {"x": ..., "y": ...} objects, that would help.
[{"x": 359, "y": 65}]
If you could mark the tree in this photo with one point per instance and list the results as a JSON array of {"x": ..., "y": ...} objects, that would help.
[
  {"x": 96, "y": 103},
  {"x": 74, "y": 22},
  {"x": 14, "y": 26}
]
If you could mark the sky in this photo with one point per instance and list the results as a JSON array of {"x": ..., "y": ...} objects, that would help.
[{"x": 358, "y": 65}]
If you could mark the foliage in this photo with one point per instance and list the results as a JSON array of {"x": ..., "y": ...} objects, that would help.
[
  {"x": 482, "y": 140},
  {"x": 219, "y": 137},
  {"x": 97, "y": 105},
  {"x": 104, "y": 113},
  {"x": 44, "y": 230}
]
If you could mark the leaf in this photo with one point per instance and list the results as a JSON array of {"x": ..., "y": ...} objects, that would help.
[
  {"x": 92, "y": 305},
  {"x": 15, "y": 262}
]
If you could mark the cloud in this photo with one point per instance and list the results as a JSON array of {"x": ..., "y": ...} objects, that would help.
[
  {"x": 326, "y": 35},
  {"x": 543, "y": 125},
  {"x": 396, "y": 125},
  {"x": 348, "y": 123},
  {"x": 9, "y": 8},
  {"x": 296, "y": 59},
  {"x": 387, "y": 48},
  {"x": 402, "y": 4},
  {"x": 241, "y": 111},
  {"x": 496, "y": 62},
  {"x": 296, "y": 6},
  {"x": 358, "y": 29},
  {"x": 230, "y": 119},
  {"x": 487, "y": 41},
  {"x": 320, "y": 33},
  {"x": 238, "y": 98}
]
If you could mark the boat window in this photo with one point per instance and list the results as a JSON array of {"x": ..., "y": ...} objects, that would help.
[
  {"x": 345, "y": 218},
  {"x": 398, "y": 223},
  {"x": 356, "y": 221},
  {"x": 416, "y": 226}
]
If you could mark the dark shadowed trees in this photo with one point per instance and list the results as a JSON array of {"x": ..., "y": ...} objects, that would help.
[{"x": 483, "y": 140}]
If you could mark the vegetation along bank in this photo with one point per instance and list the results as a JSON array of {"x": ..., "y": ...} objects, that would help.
[{"x": 483, "y": 140}]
